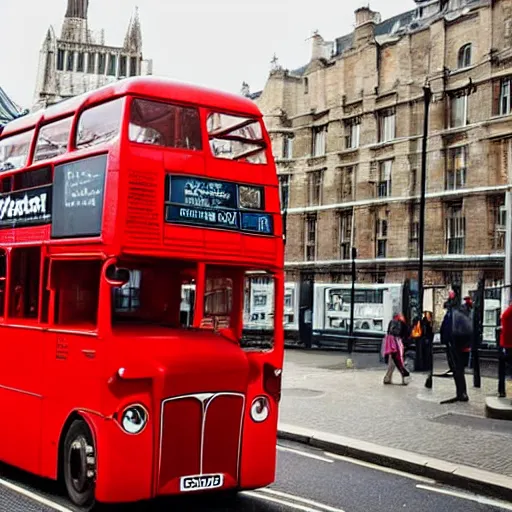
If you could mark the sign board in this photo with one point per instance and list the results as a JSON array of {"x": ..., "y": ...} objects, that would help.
[
  {"x": 26, "y": 208},
  {"x": 216, "y": 204},
  {"x": 78, "y": 197}
]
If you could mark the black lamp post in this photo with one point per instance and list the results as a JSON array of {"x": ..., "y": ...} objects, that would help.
[
  {"x": 427, "y": 97},
  {"x": 352, "y": 301}
]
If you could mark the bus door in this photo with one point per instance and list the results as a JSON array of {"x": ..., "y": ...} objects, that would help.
[
  {"x": 73, "y": 379},
  {"x": 21, "y": 360}
]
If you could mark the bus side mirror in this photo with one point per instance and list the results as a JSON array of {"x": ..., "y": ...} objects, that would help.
[{"x": 117, "y": 276}]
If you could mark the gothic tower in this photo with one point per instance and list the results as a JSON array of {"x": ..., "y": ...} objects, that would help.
[
  {"x": 133, "y": 39},
  {"x": 46, "y": 75},
  {"x": 74, "y": 27},
  {"x": 78, "y": 62},
  {"x": 77, "y": 9}
]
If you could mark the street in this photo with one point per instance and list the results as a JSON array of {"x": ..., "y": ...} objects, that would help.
[{"x": 307, "y": 481}]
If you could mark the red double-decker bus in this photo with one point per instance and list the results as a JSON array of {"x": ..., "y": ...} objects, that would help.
[{"x": 116, "y": 209}]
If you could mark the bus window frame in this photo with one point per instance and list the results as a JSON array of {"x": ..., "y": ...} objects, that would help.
[
  {"x": 23, "y": 322},
  {"x": 168, "y": 101},
  {"x": 28, "y": 161},
  {"x": 3, "y": 311},
  {"x": 93, "y": 148},
  {"x": 74, "y": 329},
  {"x": 46, "y": 123},
  {"x": 266, "y": 148}
]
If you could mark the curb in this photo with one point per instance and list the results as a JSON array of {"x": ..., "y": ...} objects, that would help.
[{"x": 472, "y": 479}]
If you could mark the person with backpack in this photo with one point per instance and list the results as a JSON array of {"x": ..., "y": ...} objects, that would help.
[
  {"x": 457, "y": 332},
  {"x": 393, "y": 349}
]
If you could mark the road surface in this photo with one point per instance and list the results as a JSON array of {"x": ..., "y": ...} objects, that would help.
[{"x": 308, "y": 481}]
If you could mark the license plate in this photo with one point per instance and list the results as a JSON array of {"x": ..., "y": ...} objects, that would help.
[{"x": 201, "y": 482}]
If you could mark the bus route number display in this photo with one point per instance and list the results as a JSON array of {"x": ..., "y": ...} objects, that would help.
[
  {"x": 216, "y": 204},
  {"x": 78, "y": 196}
]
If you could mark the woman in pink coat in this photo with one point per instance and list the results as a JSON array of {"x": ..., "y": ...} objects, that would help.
[{"x": 393, "y": 349}]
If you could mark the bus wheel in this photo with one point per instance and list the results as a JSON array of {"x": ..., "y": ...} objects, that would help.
[{"x": 79, "y": 464}]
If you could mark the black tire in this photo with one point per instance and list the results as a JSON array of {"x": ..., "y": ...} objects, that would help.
[{"x": 79, "y": 464}]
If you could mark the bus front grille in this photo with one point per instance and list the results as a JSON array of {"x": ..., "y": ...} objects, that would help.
[{"x": 200, "y": 435}]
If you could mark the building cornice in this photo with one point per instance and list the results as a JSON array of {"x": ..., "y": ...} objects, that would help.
[
  {"x": 441, "y": 259},
  {"x": 445, "y": 194}
]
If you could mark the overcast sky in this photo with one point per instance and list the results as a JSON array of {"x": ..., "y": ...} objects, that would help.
[{"x": 217, "y": 43}]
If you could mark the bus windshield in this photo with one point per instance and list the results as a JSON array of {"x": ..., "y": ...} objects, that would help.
[
  {"x": 152, "y": 295},
  {"x": 238, "y": 303}
]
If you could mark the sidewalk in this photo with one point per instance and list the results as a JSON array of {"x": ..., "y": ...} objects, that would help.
[{"x": 320, "y": 393}]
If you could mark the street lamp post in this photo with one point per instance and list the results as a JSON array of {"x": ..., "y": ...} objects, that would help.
[
  {"x": 427, "y": 96},
  {"x": 352, "y": 301}
]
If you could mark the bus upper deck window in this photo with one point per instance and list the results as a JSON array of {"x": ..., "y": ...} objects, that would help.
[
  {"x": 14, "y": 151},
  {"x": 100, "y": 124},
  {"x": 53, "y": 139},
  {"x": 163, "y": 124},
  {"x": 236, "y": 138}
]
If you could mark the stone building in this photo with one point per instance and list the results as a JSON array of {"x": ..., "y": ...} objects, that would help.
[
  {"x": 78, "y": 61},
  {"x": 347, "y": 138}
]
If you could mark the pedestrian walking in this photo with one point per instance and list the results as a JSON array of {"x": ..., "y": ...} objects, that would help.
[
  {"x": 456, "y": 333},
  {"x": 393, "y": 349},
  {"x": 446, "y": 332}
]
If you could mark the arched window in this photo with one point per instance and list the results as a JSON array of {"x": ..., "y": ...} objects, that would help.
[{"x": 464, "y": 60}]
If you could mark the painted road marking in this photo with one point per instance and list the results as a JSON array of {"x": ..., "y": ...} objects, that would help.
[
  {"x": 383, "y": 469},
  {"x": 471, "y": 497},
  {"x": 304, "y": 454},
  {"x": 306, "y": 501},
  {"x": 33, "y": 496},
  {"x": 260, "y": 496}
]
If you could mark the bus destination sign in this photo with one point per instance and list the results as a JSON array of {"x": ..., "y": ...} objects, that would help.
[
  {"x": 216, "y": 204},
  {"x": 26, "y": 208}
]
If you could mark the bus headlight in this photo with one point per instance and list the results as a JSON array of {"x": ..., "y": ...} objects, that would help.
[
  {"x": 260, "y": 409},
  {"x": 134, "y": 419}
]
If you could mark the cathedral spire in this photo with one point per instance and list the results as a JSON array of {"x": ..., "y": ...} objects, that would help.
[
  {"x": 133, "y": 39},
  {"x": 77, "y": 9}
]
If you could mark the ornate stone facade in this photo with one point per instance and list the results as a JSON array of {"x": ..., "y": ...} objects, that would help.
[
  {"x": 78, "y": 62},
  {"x": 347, "y": 133}
]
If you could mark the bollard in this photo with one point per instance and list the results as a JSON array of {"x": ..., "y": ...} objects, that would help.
[
  {"x": 502, "y": 364},
  {"x": 419, "y": 365}
]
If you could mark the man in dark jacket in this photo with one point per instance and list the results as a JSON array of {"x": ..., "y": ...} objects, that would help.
[
  {"x": 446, "y": 332},
  {"x": 456, "y": 350}
]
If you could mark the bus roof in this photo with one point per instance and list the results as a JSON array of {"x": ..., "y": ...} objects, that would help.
[{"x": 150, "y": 86}]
